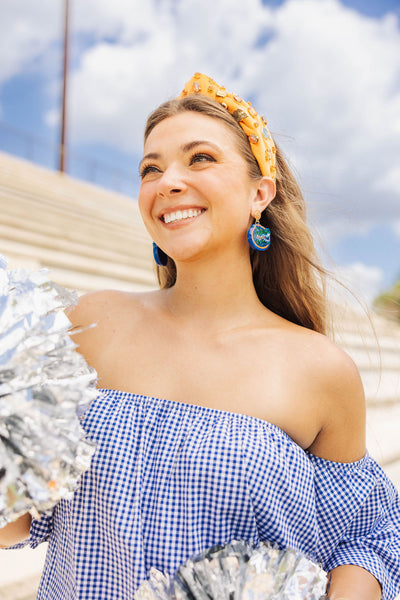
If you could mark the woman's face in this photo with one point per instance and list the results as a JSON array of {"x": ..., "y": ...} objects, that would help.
[{"x": 196, "y": 196}]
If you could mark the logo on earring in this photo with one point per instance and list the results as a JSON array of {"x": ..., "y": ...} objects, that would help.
[{"x": 258, "y": 236}]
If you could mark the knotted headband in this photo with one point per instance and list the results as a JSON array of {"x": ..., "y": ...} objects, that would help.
[{"x": 254, "y": 126}]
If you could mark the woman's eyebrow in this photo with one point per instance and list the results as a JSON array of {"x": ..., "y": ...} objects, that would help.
[
  {"x": 190, "y": 145},
  {"x": 185, "y": 148},
  {"x": 153, "y": 155}
]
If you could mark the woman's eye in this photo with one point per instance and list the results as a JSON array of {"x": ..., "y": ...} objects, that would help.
[
  {"x": 201, "y": 157},
  {"x": 148, "y": 169}
]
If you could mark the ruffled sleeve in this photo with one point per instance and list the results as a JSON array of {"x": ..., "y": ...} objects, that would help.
[
  {"x": 41, "y": 530},
  {"x": 358, "y": 512}
]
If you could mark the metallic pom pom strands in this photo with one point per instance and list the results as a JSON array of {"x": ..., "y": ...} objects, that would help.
[
  {"x": 239, "y": 571},
  {"x": 44, "y": 385},
  {"x": 254, "y": 126}
]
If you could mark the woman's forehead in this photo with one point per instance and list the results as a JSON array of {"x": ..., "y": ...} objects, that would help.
[{"x": 187, "y": 127}]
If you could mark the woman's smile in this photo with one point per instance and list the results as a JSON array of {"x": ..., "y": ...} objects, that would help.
[{"x": 181, "y": 216}]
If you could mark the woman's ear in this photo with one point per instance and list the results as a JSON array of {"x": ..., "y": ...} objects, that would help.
[{"x": 265, "y": 193}]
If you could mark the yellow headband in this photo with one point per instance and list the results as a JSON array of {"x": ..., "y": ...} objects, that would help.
[{"x": 254, "y": 126}]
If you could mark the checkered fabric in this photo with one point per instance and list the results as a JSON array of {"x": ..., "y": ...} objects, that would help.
[{"x": 169, "y": 480}]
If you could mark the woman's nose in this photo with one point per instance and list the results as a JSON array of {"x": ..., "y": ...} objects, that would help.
[{"x": 171, "y": 182}]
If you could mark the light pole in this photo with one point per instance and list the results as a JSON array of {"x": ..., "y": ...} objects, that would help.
[{"x": 64, "y": 94}]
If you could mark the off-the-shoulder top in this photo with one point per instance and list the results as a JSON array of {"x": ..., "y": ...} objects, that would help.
[{"x": 170, "y": 479}]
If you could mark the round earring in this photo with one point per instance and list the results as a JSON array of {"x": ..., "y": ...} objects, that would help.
[
  {"x": 258, "y": 236},
  {"x": 159, "y": 256}
]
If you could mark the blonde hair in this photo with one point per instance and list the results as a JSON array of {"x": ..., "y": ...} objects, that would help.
[{"x": 288, "y": 277}]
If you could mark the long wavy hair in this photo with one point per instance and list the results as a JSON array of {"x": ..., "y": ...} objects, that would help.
[{"x": 288, "y": 278}]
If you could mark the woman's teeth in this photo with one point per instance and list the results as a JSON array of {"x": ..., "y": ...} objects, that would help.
[{"x": 181, "y": 214}]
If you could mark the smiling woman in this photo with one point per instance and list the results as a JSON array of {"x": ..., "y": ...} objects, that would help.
[{"x": 224, "y": 411}]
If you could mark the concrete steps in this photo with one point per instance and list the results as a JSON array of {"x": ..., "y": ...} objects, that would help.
[{"x": 89, "y": 237}]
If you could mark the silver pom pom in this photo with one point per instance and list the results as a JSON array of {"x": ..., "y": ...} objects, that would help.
[
  {"x": 239, "y": 571},
  {"x": 44, "y": 385}
]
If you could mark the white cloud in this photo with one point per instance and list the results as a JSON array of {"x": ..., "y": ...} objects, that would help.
[
  {"x": 326, "y": 76},
  {"x": 53, "y": 117},
  {"x": 390, "y": 180},
  {"x": 121, "y": 88},
  {"x": 333, "y": 226},
  {"x": 125, "y": 81},
  {"x": 27, "y": 29},
  {"x": 124, "y": 20},
  {"x": 396, "y": 228},
  {"x": 336, "y": 91},
  {"x": 362, "y": 280}
]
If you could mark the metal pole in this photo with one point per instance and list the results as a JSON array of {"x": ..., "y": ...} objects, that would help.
[{"x": 63, "y": 150}]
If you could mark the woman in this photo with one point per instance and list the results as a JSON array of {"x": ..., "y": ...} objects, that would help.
[{"x": 226, "y": 413}]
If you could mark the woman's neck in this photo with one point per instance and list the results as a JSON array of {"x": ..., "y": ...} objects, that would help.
[{"x": 215, "y": 292}]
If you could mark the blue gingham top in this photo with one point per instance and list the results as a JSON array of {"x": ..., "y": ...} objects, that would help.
[{"x": 169, "y": 480}]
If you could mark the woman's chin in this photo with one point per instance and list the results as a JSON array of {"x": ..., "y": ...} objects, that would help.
[
  {"x": 185, "y": 257},
  {"x": 187, "y": 253}
]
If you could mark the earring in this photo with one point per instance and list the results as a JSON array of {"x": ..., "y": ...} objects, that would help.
[
  {"x": 258, "y": 236},
  {"x": 159, "y": 256}
]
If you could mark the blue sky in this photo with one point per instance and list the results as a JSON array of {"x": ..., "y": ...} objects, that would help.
[{"x": 325, "y": 72}]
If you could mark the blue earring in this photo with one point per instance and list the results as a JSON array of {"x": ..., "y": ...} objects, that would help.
[
  {"x": 258, "y": 236},
  {"x": 159, "y": 256}
]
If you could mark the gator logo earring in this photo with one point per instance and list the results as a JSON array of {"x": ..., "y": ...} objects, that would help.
[
  {"x": 159, "y": 256},
  {"x": 258, "y": 236}
]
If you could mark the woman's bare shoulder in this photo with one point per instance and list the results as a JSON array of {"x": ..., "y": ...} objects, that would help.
[
  {"x": 103, "y": 304},
  {"x": 99, "y": 315},
  {"x": 337, "y": 383},
  {"x": 94, "y": 304},
  {"x": 332, "y": 365},
  {"x": 318, "y": 353},
  {"x": 93, "y": 307}
]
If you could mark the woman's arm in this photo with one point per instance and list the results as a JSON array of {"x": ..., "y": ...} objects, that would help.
[
  {"x": 342, "y": 440},
  {"x": 15, "y": 532},
  {"x": 349, "y": 582}
]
